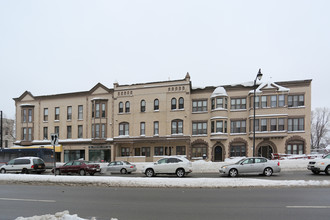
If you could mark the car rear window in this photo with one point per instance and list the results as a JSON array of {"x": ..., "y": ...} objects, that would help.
[{"x": 38, "y": 161}]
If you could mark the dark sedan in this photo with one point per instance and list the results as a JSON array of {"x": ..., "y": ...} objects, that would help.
[{"x": 81, "y": 167}]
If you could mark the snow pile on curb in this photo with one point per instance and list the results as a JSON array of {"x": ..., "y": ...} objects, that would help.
[
  {"x": 158, "y": 182},
  {"x": 65, "y": 215}
]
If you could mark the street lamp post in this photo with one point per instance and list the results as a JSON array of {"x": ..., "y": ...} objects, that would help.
[{"x": 259, "y": 76}]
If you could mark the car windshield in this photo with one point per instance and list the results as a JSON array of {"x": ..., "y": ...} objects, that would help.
[
  {"x": 240, "y": 161},
  {"x": 126, "y": 162}
]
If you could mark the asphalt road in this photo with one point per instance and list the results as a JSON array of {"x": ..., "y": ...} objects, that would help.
[{"x": 166, "y": 203}]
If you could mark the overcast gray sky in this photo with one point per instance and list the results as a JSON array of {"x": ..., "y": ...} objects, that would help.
[{"x": 51, "y": 47}]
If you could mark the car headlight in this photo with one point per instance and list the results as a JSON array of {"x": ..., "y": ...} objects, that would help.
[{"x": 224, "y": 167}]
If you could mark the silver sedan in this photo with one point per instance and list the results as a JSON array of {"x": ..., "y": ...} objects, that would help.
[
  {"x": 122, "y": 167},
  {"x": 258, "y": 165}
]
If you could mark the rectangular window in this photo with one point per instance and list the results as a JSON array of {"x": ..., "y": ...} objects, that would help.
[
  {"x": 273, "y": 124},
  {"x": 125, "y": 151},
  {"x": 45, "y": 114},
  {"x": 238, "y": 103},
  {"x": 146, "y": 151},
  {"x": 281, "y": 122},
  {"x": 103, "y": 131},
  {"x": 30, "y": 115},
  {"x": 263, "y": 124},
  {"x": 159, "y": 151},
  {"x": 24, "y": 115},
  {"x": 142, "y": 128},
  {"x": 219, "y": 103},
  {"x": 199, "y": 106},
  {"x": 103, "y": 110},
  {"x": 199, "y": 128},
  {"x": 45, "y": 133},
  {"x": 57, "y": 130},
  {"x": 57, "y": 113},
  {"x": 69, "y": 132},
  {"x": 24, "y": 134},
  {"x": 180, "y": 150},
  {"x": 257, "y": 101},
  {"x": 238, "y": 127},
  {"x": 296, "y": 124},
  {"x": 156, "y": 128},
  {"x": 273, "y": 101},
  {"x": 80, "y": 112},
  {"x": 30, "y": 134},
  {"x": 256, "y": 124},
  {"x": 97, "y": 110},
  {"x": 237, "y": 151},
  {"x": 80, "y": 131},
  {"x": 263, "y": 101},
  {"x": 69, "y": 113},
  {"x": 281, "y": 101},
  {"x": 137, "y": 152},
  {"x": 97, "y": 130},
  {"x": 296, "y": 100}
]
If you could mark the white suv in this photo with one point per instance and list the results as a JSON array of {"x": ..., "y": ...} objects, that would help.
[
  {"x": 24, "y": 165},
  {"x": 320, "y": 165},
  {"x": 179, "y": 166}
]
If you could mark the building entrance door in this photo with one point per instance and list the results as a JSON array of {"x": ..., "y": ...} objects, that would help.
[
  {"x": 218, "y": 153},
  {"x": 265, "y": 151}
]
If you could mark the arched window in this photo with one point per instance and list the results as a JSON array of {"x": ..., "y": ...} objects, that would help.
[
  {"x": 143, "y": 106},
  {"x": 156, "y": 104},
  {"x": 181, "y": 103},
  {"x": 173, "y": 103},
  {"x": 121, "y": 107},
  {"x": 177, "y": 126},
  {"x": 127, "y": 107},
  {"x": 124, "y": 129}
]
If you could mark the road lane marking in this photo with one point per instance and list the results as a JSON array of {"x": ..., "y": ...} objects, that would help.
[
  {"x": 308, "y": 207},
  {"x": 26, "y": 200}
]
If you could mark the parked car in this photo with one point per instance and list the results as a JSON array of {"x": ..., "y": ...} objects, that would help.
[
  {"x": 320, "y": 165},
  {"x": 179, "y": 166},
  {"x": 122, "y": 167},
  {"x": 81, "y": 167},
  {"x": 24, "y": 165},
  {"x": 258, "y": 165}
]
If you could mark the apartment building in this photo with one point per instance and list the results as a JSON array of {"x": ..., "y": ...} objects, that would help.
[{"x": 144, "y": 122}]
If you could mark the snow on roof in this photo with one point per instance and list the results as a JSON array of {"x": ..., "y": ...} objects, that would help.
[
  {"x": 219, "y": 91},
  {"x": 270, "y": 85}
]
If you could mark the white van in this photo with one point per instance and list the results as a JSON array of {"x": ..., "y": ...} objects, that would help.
[{"x": 24, "y": 165}]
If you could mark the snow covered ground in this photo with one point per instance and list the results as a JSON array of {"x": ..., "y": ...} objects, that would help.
[{"x": 198, "y": 167}]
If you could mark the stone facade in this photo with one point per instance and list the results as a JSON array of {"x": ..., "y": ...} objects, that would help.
[{"x": 144, "y": 122}]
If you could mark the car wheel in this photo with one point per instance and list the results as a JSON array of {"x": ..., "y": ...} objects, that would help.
[
  {"x": 327, "y": 170},
  {"x": 233, "y": 172},
  {"x": 150, "y": 173},
  {"x": 57, "y": 172},
  {"x": 2, "y": 171},
  {"x": 123, "y": 171},
  {"x": 268, "y": 171},
  {"x": 82, "y": 172},
  {"x": 315, "y": 172},
  {"x": 180, "y": 172},
  {"x": 25, "y": 171}
]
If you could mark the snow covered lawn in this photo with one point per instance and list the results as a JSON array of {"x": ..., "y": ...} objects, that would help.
[{"x": 198, "y": 167}]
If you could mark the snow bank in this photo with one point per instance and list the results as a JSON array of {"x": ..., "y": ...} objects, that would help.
[
  {"x": 157, "y": 182},
  {"x": 65, "y": 215}
]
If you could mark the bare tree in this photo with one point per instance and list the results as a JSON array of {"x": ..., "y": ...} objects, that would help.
[{"x": 320, "y": 119}]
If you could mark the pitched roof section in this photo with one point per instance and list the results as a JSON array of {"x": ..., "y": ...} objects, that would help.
[
  {"x": 27, "y": 95},
  {"x": 270, "y": 86}
]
